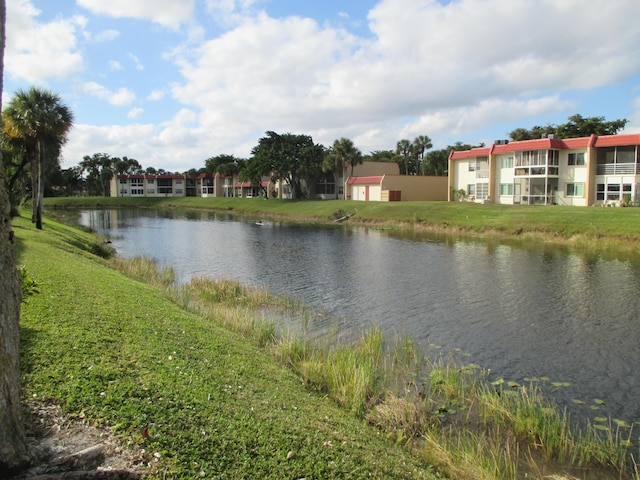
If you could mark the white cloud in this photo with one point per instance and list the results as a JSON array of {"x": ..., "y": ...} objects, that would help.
[
  {"x": 634, "y": 120},
  {"x": 121, "y": 97},
  {"x": 36, "y": 52},
  {"x": 136, "y": 61},
  {"x": 156, "y": 95},
  {"x": 134, "y": 112},
  {"x": 115, "y": 65},
  {"x": 106, "y": 35},
  {"x": 169, "y": 13}
]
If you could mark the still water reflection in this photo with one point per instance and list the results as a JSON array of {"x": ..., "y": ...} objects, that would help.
[{"x": 522, "y": 313}]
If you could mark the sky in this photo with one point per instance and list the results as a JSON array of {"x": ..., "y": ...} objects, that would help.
[{"x": 174, "y": 82}]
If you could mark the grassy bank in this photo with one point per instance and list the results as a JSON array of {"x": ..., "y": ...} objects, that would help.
[
  {"x": 120, "y": 354},
  {"x": 595, "y": 226}
]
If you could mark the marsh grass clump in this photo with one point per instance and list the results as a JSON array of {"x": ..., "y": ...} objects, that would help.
[
  {"x": 146, "y": 270},
  {"x": 350, "y": 374}
]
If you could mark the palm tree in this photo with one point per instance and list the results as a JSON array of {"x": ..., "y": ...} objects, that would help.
[
  {"x": 346, "y": 153},
  {"x": 41, "y": 119},
  {"x": 405, "y": 151},
  {"x": 421, "y": 144}
]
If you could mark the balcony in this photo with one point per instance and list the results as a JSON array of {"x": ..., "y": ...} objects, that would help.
[{"x": 618, "y": 169}]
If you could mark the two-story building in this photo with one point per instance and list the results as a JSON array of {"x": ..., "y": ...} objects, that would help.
[
  {"x": 145, "y": 185},
  {"x": 595, "y": 170}
]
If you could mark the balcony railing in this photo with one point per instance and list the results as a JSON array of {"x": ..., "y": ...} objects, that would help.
[{"x": 618, "y": 169}]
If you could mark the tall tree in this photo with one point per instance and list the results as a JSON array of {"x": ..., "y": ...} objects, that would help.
[
  {"x": 127, "y": 166},
  {"x": 382, "y": 156},
  {"x": 292, "y": 158},
  {"x": 13, "y": 445},
  {"x": 224, "y": 164},
  {"x": 15, "y": 160},
  {"x": 421, "y": 144},
  {"x": 576, "y": 126},
  {"x": 404, "y": 150},
  {"x": 41, "y": 118},
  {"x": 347, "y": 154},
  {"x": 99, "y": 169}
]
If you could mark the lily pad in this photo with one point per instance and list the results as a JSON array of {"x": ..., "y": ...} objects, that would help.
[{"x": 621, "y": 423}]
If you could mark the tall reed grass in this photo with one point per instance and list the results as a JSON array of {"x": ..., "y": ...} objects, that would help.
[{"x": 447, "y": 410}]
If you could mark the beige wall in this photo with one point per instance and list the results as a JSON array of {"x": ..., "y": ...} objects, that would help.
[
  {"x": 416, "y": 187},
  {"x": 368, "y": 169}
]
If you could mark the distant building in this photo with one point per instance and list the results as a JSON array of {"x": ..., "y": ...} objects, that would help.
[
  {"x": 144, "y": 185},
  {"x": 371, "y": 181},
  {"x": 595, "y": 170}
]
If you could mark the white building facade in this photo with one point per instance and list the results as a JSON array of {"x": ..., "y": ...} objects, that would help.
[{"x": 595, "y": 170}]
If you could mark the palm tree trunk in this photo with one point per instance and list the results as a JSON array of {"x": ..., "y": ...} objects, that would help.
[
  {"x": 34, "y": 187},
  {"x": 41, "y": 169}
]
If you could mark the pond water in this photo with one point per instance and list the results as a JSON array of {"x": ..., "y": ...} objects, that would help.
[{"x": 521, "y": 312}]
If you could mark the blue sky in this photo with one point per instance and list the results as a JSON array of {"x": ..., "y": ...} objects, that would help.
[{"x": 174, "y": 82}]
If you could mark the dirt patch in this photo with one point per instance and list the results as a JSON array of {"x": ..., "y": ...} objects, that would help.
[{"x": 65, "y": 448}]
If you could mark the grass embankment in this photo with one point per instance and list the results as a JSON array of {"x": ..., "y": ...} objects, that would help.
[
  {"x": 120, "y": 353},
  {"x": 579, "y": 226}
]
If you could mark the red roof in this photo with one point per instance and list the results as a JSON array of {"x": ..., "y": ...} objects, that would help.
[
  {"x": 474, "y": 152},
  {"x": 365, "y": 180},
  {"x": 150, "y": 176},
  {"x": 243, "y": 184},
  {"x": 618, "y": 140},
  {"x": 549, "y": 143}
]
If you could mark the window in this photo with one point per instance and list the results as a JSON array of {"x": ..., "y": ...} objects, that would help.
[
  {"x": 575, "y": 190},
  {"x": 165, "y": 185},
  {"x": 472, "y": 166},
  {"x": 123, "y": 180},
  {"x": 600, "y": 191},
  {"x": 626, "y": 154},
  {"x": 506, "y": 189},
  {"x": 576, "y": 158},
  {"x": 150, "y": 180},
  {"x": 471, "y": 189},
  {"x": 137, "y": 191},
  {"x": 326, "y": 185},
  {"x": 613, "y": 191},
  {"x": 178, "y": 182},
  {"x": 482, "y": 190},
  {"x": 507, "y": 162}
]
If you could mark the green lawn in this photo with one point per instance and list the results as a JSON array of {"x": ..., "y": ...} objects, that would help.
[{"x": 119, "y": 353}]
